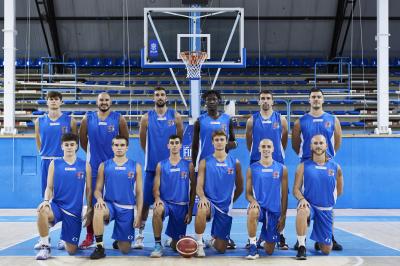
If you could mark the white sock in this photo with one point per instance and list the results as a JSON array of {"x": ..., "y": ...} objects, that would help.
[
  {"x": 141, "y": 228},
  {"x": 302, "y": 240},
  {"x": 199, "y": 238},
  {"x": 253, "y": 240},
  {"x": 45, "y": 240}
]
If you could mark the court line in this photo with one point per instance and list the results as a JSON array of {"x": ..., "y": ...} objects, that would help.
[{"x": 360, "y": 261}]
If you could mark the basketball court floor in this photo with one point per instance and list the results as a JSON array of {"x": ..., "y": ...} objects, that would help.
[{"x": 369, "y": 237}]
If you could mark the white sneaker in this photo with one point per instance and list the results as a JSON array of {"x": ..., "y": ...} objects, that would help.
[
  {"x": 61, "y": 245},
  {"x": 138, "y": 242},
  {"x": 209, "y": 243},
  {"x": 200, "y": 251},
  {"x": 44, "y": 253},
  {"x": 38, "y": 245},
  {"x": 168, "y": 242}
]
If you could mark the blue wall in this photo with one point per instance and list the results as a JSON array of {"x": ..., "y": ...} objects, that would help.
[{"x": 371, "y": 168}]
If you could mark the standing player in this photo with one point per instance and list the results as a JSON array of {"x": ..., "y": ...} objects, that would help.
[
  {"x": 219, "y": 184},
  {"x": 316, "y": 121},
  {"x": 96, "y": 133},
  {"x": 66, "y": 182},
  {"x": 267, "y": 124},
  {"x": 155, "y": 128},
  {"x": 174, "y": 191},
  {"x": 266, "y": 191},
  {"x": 318, "y": 182},
  {"x": 121, "y": 179},
  {"x": 48, "y": 131}
]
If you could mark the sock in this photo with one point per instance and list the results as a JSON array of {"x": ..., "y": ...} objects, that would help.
[
  {"x": 89, "y": 229},
  {"x": 302, "y": 240},
  {"x": 99, "y": 240},
  {"x": 157, "y": 240},
  {"x": 141, "y": 228},
  {"x": 45, "y": 240},
  {"x": 253, "y": 240},
  {"x": 199, "y": 238}
]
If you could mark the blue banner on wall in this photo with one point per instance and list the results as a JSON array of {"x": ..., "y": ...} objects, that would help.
[{"x": 153, "y": 48}]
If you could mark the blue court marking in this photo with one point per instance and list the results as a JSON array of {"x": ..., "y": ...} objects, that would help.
[{"x": 353, "y": 245}]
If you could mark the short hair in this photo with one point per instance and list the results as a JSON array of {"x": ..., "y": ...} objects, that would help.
[
  {"x": 53, "y": 94},
  {"x": 315, "y": 90},
  {"x": 121, "y": 137},
  {"x": 160, "y": 89},
  {"x": 211, "y": 92},
  {"x": 70, "y": 137},
  {"x": 265, "y": 92},
  {"x": 174, "y": 136},
  {"x": 219, "y": 133}
]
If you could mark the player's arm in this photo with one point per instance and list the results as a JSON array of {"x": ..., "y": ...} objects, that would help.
[
  {"x": 296, "y": 137},
  {"x": 156, "y": 186},
  {"x": 339, "y": 181},
  {"x": 200, "y": 185},
  {"x": 249, "y": 132},
  {"x": 88, "y": 218},
  {"x": 179, "y": 125},
  {"x": 337, "y": 134},
  {"x": 238, "y": 181},
  {"x": 99, "y": 187},
  {"x": 298, "y": 183},
  {"x": 195, "y": 141},
  {"x": 143, "y": 131},
  {"x": 285, "y": 132},
  {"x": 284, "y": 191},
  {"x": 232, "y": 143},
  {"x": 139, "y": 195},
  {"x": 48, "y": 194},
  {"x": 37, "y": 135},
  {"x": 192, "y": 192},
  {"x": 249, "y": 190},
  {"x": 74, "y": 126},
  {"x": 83, "y": 138},
  {"x": 123, "y": 127}
]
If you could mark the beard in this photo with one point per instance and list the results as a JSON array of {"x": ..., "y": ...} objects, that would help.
[
  {"x": 104, "y": 108},
  {"x": 161, "y": 103}
]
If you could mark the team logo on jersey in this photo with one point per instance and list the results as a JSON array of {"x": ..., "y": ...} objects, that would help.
[
  {"x": 131, "y": 175},
  {"x": 80, "y": 175},
  {"x": 327, "y": 124},
  {"x": 275, "y": 125},
  {"x": 230, "y": 171},
  {"x": 171, "y": 123},
  {"x": 184, "y": 174},
  {"x": 331, "y": 172},
  {"x": 64, "y": 129},
  {"x": 111, "y": 128},
  {"x": 275, "y": 174}
]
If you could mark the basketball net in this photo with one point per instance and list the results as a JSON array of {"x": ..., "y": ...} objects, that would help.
[{"x": 193, "y": 61}]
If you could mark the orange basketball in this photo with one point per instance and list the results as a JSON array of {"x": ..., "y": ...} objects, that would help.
[{"x": 187, "y": 246}]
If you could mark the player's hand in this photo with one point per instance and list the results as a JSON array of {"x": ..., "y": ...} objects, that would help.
[
  {"x": 203, "y": 203},
  {"x": 100, "y": 204},
  {"x": 254, "y": 204},
  {"x": 281, "y": 223},
  {"x": 42, "y": 205},
  {"x": 303, "y": 203},
  {"x": 188, "y": 218},
  {"x": 158, "y": 202},
  {"x": 88, "y": 217}
]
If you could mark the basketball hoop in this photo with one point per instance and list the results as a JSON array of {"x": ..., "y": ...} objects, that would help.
[{"x": 193, "y": 61}]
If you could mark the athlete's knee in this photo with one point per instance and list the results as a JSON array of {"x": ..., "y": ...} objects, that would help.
[
  {"x": 253, "y": 213},
  {"x": 71, "y": 249},
  {"x": 158, "y": 211},
  {"x": 220, "y": 245},
  {"x": 269, "y": 248},
  {"x": 325, "y": 249},
  {"x": 303, "y": 212},
  {"x": 201, "y": 212},
  {"x": 124, "y": 247}
]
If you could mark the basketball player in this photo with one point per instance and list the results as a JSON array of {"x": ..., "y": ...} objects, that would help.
[
  {"x": 48, "y": 131},
  {"x": 266, "y": 191},
  {"x": 316, "y": 121},
  {"x": 63, "y": 199},
  {"x": 267, "y": 124},
  {"x": 121, "y": 179},
  {"x": 318, "y": 182},
  {"x": 174, "y": 191},
  {"x": 219, "y": 184},
  {"x": 155, "y": 128},
  {"x": 96, "y": 133}
]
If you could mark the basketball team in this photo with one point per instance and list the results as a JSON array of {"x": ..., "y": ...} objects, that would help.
[{"x": 118, "y": 189}]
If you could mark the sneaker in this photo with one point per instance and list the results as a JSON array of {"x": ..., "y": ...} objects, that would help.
[
  {"x": 260, "y": 243},
  {"x": 138, "y": 242},
  {"x": 296, "y": 246},
  {"x": 87, "y": 243},
  {"x": 157, "y": 252},
  {"x": 167, "y": 243},
  {"x": 316, "y": 246},
  {"x": 301, "y": 253},
  {"x": 98, "y": 253},
  {"x": 335, "y": 245},
  {"x": 44, "y": 253},
  {"x": 61, "y": 245},
  {"x": 115, "y": 244},
  {"x": 209, "y": 243},
  {"x": 282, "y": 243},
  {"x": 200, "y": 251},
  {"x": 253, "y": 253},
  {"x": 38, "y": 244},
  {"x": 231, "y": 244}
]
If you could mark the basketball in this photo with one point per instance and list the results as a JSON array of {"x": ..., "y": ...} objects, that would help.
[{"x": 187, "y": 246}]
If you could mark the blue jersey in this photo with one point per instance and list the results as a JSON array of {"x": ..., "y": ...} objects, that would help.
[
  {"x": 207, "y": 126},
  {"x": 100, "y": 136},
  {"x": 69, "y": 185},
  {"x": 320, "y": 183},
  {"x": 267, "y": 185},
  {"x": 219, "y": 183},
  {"x": 159, "y": 129},
  {"x": 50, "y": 134},
  {"x": 269, "y": 128},
  {"x": 120, "y": 182},
  {"x": 175, "y": 182},
  {"x": 311, "y": 126}
]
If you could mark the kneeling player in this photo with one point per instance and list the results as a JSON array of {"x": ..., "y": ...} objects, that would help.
[
  {"x": 220, "y": 183},
  {"x": 121, "y": 179},
  {"x": 66, "y": 182},
  {"x": 318, "y": 182},
  {"x": 171, "y": 194},
  {"x": 268, "y": 180}
]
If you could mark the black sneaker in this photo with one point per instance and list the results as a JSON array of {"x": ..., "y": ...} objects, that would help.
[
  {"x": 282, "y": 243},
  {"x": 301, "y": 253},
  {"x": 316, "y": 246},
  {"x": 296, "y": 246},
  {"x": 98, "y": 253},
  {"x": 231, "y": 244},
  {"x": 335, "y": 245},
  {"x": 115, "y": 244}
]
